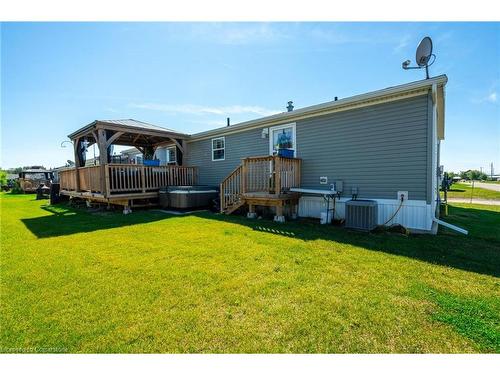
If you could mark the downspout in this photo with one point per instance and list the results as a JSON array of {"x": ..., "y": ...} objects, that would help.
[{"x": 435, "y": 187}]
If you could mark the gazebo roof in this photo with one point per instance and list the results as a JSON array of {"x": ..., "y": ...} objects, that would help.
[
  {"x": 136, "y": 124},
  {"x": 129, "y": 127},
  {"x": 132, "y": 132}
]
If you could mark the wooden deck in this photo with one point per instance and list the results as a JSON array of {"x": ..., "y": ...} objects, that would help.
[
  {"x": 122, "y": 184},
  {"x": 262, "y": 181}
]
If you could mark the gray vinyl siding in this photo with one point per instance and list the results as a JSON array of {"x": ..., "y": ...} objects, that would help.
[
  {"x": 238, "y": 146},
  {"x": 379, "y": 149}
]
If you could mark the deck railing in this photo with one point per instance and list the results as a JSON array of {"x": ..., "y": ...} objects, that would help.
[
  {"x": 271, "y": 174},
  {"x": 231, "y": 188},
  {"x": 90, "y": 178},
  {"x": 67, "y": 179},
  {"x": 266, "y": 174},
  {"x": 132, "y": 177},
  {"x": 125, "y": 178}
]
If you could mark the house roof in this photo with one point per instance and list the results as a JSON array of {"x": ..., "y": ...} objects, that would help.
[
  {"x": 131, "y": 150},
  {"x": 373, "y": 97}
]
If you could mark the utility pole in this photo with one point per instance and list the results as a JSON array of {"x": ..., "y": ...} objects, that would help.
[{"x": 491, "y": 170}]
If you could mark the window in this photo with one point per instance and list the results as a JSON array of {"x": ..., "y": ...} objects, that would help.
[
  {"x": 171, "y": 155},
  {"x": 282, "y": 136},
  {"x": 218, "y": 148}
]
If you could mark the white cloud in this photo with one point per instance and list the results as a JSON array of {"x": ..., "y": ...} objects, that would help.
[
  {"x": 111, "y": 109},
  {"x": 236, "y": 34},
  {"x": 402, "y": 43},
  {"x": 441, "y": 38},
  {"x": 194, "y": 109},
  {"x": 490, "y": 98},
  {"x": 336, "y": 34}
]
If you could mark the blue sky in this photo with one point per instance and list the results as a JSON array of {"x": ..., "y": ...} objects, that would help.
[{"x": 57, "y": 77}]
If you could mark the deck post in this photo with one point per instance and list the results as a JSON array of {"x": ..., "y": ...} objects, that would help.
[
  {"x": 280, "y": 218},
  {"x": 106, "y": 180},
  {"x": 244, "y": 176},
  {"x": 251, "y": 212},
  {"x": 277, "y": 175},
  {"x": 143, "y": 179}
]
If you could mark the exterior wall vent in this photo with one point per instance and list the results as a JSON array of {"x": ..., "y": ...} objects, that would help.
[{"x": 361, "y": 214}]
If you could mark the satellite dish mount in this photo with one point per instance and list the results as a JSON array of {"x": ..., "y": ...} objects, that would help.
[{"x": 424, "y": 57}]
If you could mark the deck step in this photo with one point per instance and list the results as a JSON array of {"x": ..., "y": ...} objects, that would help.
[{"x": 234, "y": 206}]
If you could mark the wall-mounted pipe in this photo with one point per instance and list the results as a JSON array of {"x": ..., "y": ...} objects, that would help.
[{"x": 451, "y": 226}]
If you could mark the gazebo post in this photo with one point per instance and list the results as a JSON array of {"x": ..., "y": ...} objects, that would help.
[
  {"x": 183, "y": 150},
  {"x": 103, "y": 160},
  {"x": 76, "y": 144}
]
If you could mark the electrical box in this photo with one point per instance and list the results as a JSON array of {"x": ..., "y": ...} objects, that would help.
[
  {"x": 339, "y": 186},
  {"x": 403, "y": 194},
  {"x": 265, "y": 133},
  {"x": 323, "y": 180}
]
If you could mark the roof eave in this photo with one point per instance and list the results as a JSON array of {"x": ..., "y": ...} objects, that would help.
[
  {"x": 318, "y": 108},
  {"x": 82, "y": 130}
]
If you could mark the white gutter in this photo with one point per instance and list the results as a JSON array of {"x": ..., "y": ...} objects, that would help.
[
  {"x": 434, "y": 167},
  {"x": 434, "y": 162}
]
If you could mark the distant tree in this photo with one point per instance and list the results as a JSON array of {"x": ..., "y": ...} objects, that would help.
[
  {"x": 3, "y": 178},
  {"x": 473, "y": 175},
  {"x": 15, "y": 170},
  {"x": 464, "y": 175}
]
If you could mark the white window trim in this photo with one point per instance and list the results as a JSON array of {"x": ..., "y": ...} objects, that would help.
[
  {"x": 224, "y": 148},
  {"x": 280, "y": 127},
  {"x": 167, "y": 154}
]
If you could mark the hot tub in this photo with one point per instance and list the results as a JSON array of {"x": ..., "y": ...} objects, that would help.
[{"x": 188, "y": 197}]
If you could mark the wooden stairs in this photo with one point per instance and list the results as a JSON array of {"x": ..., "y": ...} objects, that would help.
[
  {"x": 261, "y": 180},
  {"x": 231, "y": 189},
  {"x": 240, "y": 203}
]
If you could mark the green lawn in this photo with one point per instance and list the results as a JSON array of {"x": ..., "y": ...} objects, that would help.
[
  {"x": 77, "y": 281},
  {"x": 463, "y": 191}
]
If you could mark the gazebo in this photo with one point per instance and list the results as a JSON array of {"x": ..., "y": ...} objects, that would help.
[{"x": 123, "y": 184}]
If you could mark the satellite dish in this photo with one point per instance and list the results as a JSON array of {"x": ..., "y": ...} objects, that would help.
[
  {"x": 422, "y": 56},
  {"x": 424, "y": 51}
]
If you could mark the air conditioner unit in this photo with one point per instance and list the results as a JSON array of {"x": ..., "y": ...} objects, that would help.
[{"x": 361, "y": 214}]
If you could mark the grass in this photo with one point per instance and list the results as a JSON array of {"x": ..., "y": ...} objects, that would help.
[
  {"x": 463, "y": 191},
  {"x": 476, "y": 318},
  {"x": 78, "y": 281}
]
